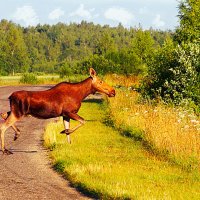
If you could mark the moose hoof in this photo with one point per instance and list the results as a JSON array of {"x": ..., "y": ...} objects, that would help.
[
  {"x": 16, "y": 136},
  {"x": 66, "y": 131},
  {"x": 4, "y": 115},
  {"x": 7, "y": 152}
]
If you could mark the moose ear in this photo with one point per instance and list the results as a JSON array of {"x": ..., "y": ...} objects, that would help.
[{"x": 92, "y": 72}]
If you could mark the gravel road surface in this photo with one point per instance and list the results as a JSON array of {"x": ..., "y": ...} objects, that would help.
[{"x": 27, "y": 174}]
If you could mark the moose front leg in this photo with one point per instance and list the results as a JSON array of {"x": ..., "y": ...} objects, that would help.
[{"x": 66, "y": 120}]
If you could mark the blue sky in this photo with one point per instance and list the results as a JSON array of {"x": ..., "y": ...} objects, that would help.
[{"x": 159, "y": 14}]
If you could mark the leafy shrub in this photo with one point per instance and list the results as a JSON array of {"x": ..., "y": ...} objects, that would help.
[
  {"x": 29, "y": 78},
  {"x": 175, "y": 71},
  {"x": 174, "y": 74},
  {"x": 65, "y": 71},
  {"x": 186, "y": 74}
]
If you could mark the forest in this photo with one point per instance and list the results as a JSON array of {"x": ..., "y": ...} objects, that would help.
[
  {"x": 167, "y": 60},
  {"x": 65, "y": 49}
]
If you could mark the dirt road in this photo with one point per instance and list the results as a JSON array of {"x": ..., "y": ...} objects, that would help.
[{"x": 27, "y": 174}]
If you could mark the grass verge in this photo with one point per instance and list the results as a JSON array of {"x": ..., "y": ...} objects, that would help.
[
  {"x": 106, "y": 165},
  {"x": 173, "y": 132}
]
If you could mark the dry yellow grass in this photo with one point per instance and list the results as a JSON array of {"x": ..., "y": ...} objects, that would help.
[{"x": 168, "y": 129}]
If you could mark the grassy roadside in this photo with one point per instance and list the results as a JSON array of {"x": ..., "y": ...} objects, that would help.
[
  {"x": 107, "y": 165},
  {"x": 173, "y": 132}
]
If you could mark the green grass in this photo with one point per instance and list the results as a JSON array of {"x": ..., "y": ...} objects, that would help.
[
  {"x": 15, "y": 80},
  {"x": 42, "y": 79},
  {"x": 106, "y": 165}
]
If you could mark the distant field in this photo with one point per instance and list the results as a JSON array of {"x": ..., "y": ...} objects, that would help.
[
  {"x": 44, "y": 79},
  {"x": 14, "y": 80},
  {"x": 9, "y": 80}
]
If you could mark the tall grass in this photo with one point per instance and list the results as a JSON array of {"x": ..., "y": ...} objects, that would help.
[
  {"x": 174, "y": 132},
  {"x": 106, "y": 165}
]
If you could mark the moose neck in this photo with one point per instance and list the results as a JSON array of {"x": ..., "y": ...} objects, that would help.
[{"x": 85, "y": 88}]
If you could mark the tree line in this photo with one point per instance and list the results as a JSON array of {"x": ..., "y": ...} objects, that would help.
[{"x": 72, "y": 48}]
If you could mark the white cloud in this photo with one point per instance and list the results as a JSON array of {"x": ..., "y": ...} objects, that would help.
[
  {"x": 82, "y": 12},
  {"x": 26, "y": 14},
  {"x": 158, "y": 22},
  {"x": 120, "y": 15},
  {"x": 56, "y": 14}
]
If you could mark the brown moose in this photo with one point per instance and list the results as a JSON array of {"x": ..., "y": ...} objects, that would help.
[{"x": 64, "y": 99}]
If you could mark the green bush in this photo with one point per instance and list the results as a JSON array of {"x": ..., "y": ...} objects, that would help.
[
  {"x": 174, "y": 74},
  {"x": 29, "y": 78},
  {"x": 65, "y": 71}
]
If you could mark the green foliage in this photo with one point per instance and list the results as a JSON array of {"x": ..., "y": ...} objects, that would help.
[
  {"x": 143, "y": 45},
  {"x": 100, "y": 63},
  {"x": 65, "y": 71},
  {"x": 13, "y": 51},
  {"x": 174, "y": 71},
  {"x": 159, "y": 71},
  {"x": 189, "y": 14},
  {"x": 59, "y": 165},
  {"x": 187, "y": 74},
  {"x": 46, "y": 48},
  {"x": 105, "y": 44},
  {"x": 29, "y": 78},
  {"x": 174, "y": 74}
]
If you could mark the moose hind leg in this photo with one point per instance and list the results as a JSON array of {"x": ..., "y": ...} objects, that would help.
[
  {"x": 8, "y": 122},
  {"x": 2, "y": 133},
  {"x": 17, "y": 131}
]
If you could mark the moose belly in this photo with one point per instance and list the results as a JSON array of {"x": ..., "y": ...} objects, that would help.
[{"x": 45, "y": 111}]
